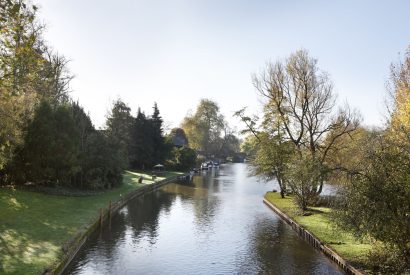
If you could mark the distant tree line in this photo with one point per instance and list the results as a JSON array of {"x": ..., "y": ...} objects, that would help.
[{"x": 142, "y": 142}]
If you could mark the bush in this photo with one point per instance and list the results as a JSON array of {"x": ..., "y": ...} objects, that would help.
[
  {"x": 387, "y": 260},
  {"x": 182, "y": 158}
]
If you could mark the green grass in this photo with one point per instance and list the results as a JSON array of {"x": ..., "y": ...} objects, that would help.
[
  {"x": 34, "y": 226},
  {"x": 321, "y": 225}
]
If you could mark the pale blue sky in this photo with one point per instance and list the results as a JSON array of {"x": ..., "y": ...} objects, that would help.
[{"x": 176, "y": 52}]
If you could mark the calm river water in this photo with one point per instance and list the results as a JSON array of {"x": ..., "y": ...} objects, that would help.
[{"x": 215, "y": 225}]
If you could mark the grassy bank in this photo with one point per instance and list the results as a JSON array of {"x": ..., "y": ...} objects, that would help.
[
  {"x": 320, "y": 224},
  {"x": 34, "y": 226}
]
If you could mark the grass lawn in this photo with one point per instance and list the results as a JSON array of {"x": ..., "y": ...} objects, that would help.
[
  {"x": 34, "y": 226},
  {"x": 322, "y": 227}
]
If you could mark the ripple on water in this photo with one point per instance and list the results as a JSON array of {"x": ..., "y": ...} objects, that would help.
[{"x": 215, "y": 225}]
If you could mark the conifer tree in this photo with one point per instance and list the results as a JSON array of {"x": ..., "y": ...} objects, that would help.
[{"x": 158, "y": 142}]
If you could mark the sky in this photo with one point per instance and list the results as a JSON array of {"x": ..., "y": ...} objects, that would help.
[{"x": 177, "y": 52}]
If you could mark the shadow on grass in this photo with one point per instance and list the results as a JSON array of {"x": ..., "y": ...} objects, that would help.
[
  {"x": 35, "y": 226},
  {"x": 317, "y": 211}
]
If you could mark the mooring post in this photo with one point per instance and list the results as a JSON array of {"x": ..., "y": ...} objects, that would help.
[
  {"x": 110, "y": 214},
  {"x": 101, "y": 217}
]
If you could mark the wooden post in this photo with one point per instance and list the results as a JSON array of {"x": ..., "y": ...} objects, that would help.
[
  {"x": 110, "y": 214},
  {"x": 101, "y": 217}
]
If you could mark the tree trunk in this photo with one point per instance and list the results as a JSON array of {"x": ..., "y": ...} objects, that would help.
[
  {"x": 282, "y": 189},
  {"x": 282, "y": 193}
]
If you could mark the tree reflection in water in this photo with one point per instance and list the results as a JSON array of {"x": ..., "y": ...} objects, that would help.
[{"x": 216, "y": 224}]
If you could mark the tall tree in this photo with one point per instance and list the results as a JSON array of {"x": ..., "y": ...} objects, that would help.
[
  {"x": 157, "y": 136},
  {"x": 102, "y": 164},
  {"x": 50, "y": 147},
  {"x": 85, "y": 130},
  {"x": 119, "y": 124},
  {"x": 399, "y": 122},
  {"x": 299, "y": 111},
  {"x": 142, "y": 146},
  {"x": 204, "y": 127},
  {"x": 29, "y": 72}
]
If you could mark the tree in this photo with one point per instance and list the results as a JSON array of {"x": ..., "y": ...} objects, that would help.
[
  {"x": 299, "y": 112},
  {"x": 271, "y": 160},
  {"x": 29, "y": 72},
  {"x": 181, "y": 158},
  {"x": 300, "y": 104},
  {"x": 17, "y": 58},
  {"x": 100, "y": 156},
  {"x": 347, "y": 155},
  {"x": 50, "y": 150},
  {"x": 27, "y": 64},
  {"x": 230, "y": 145},
  {"x": 399, "y": 122},
  {"x": 141, "y": 147},
  {"x": 376, "y": 203},
  {"x": 204, "y": 128},
  {"x": 157, "y": 137},
  {"x": 102, "y": 165},
  {"x": 376, "y": 200},
  {"x": 119, "y": 126},
  {"x": 33, "y": 160},
  {"x": 270, "y": 152},
  {"x": 249, "y": 146},
  {"x": 65, "y": 151},
  {"x": 85, "y": 130}
]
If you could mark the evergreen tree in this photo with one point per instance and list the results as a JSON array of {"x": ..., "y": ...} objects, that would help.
[
  {"x": 102, "y": 167},
  {"x": 66, "y": 145},
  {"x": 119, "y": 123},
  {"x": 37, "y": 154},
  {"x": 141, "y": 149},
  {"x": 50, "y": 148},
  {"x": 85, "y": 129},
  {"x": 158, "y": 141}
]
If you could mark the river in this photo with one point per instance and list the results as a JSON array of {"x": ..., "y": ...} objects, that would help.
[{"x": 215, "y": 225}]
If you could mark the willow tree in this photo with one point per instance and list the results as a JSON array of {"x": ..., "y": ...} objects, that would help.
[
  {"x": 300, "y": 111},
  {"x": 204, "y": 127}
]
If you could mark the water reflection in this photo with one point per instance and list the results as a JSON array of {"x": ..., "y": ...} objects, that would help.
[{"x": 215, "y": 224}]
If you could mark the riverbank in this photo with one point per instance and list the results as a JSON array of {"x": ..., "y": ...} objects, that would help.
[
  {"x": 322, "y": 227},
  {"x": 35, "y": 227}
]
